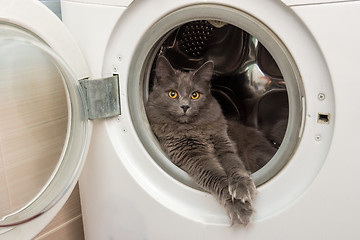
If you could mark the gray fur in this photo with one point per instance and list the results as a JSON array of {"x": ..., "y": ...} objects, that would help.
[
  {"x": 197, "y": 140},
  {"x": 253, "y": 148}
]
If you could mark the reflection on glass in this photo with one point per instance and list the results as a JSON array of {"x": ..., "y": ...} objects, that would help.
[{"x": 33, "y": 122}]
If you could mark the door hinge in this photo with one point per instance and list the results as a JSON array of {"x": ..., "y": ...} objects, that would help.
[{"x": 102, "y": 96}]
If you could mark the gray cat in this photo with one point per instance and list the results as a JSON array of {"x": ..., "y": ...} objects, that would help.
[{"x": 192, "y": 130}]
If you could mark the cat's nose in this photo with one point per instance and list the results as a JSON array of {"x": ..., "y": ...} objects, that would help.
[{"x": 185, "y": 107}]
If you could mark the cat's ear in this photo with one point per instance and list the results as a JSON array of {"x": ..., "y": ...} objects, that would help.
[
  {"x": 205, "y": 72},
  {"x": 163, "y": 69}
]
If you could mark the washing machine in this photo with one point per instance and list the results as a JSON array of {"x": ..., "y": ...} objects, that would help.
[{"x": 286, "y": 68}]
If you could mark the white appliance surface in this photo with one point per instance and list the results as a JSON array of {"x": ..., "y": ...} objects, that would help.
[{"x": 125, "y": 194}]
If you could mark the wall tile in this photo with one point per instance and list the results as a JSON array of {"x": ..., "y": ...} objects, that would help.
[
  {"x": 70, "y": 210},
  {"x": 1, "y": 160},
  {"x": 72, "y": 230},
  {"x": 67, "y": 225},
  {"x": 31, "y": 91},
  {"x": 5, "y": 207},
  {"x": 30, "y": 156}
]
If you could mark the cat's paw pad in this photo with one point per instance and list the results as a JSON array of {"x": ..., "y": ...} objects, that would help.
[
  {"x": 242, "y": 187},
  {"x": 239, "y": 212}
]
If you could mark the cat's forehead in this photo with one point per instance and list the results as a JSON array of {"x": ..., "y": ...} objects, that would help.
[
  {"x": 180, "y": 81},
  {"x": 184, "y": 79},
  {"x": 183, "y": 82}
]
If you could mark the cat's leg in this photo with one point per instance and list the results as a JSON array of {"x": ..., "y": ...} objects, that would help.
[
  {"x": 198, "y": 159},
  {"x": 208, "y": 173},
  {"x": 241, "y": 186}
]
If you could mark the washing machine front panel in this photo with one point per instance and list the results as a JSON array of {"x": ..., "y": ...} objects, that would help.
[
  {"x": 46, "y": 122},
  {"x": 311, "y": 2},
  {"x": 117, "y": 3},
  {"x": 135, "y": 148}
]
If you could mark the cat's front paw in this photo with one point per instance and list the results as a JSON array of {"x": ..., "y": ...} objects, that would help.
[
  {"x": 239, "y": 212},
  {"x": 242, "y": 187}
]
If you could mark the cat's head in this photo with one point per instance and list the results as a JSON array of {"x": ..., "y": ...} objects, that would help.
[{"x": 182, "y": 96}]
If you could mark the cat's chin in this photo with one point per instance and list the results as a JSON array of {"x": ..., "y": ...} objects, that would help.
[{"x": 184, "y": 119}]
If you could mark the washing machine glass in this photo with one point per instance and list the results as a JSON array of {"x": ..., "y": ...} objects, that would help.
[
  {"x": 255, "y": 79},
  {"x": 42, "y": 126}
]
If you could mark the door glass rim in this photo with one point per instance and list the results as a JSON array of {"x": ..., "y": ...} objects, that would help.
[
  {"x": 75, "y": 146},
  {"x": 144, "y": 57}
]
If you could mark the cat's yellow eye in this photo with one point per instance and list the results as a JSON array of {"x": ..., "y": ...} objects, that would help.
[
  {"x": 195, "y": 95},
  {"x": 173, "y": 94}
]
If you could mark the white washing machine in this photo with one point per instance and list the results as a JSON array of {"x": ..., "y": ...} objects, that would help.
[{"x": 305, "y": 50}]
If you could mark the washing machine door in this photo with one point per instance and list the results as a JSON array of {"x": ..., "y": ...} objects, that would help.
[{"x": 44, "y": 126}]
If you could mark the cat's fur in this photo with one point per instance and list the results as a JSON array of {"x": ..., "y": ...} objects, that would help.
[
  {"x": 194, "y": 135},
  {"x": 253, "y": 148}
]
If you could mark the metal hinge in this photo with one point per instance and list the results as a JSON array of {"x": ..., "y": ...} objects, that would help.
[{"x": 102, "y": 97}]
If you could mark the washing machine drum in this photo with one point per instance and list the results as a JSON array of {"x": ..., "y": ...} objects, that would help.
[{"x": 194, "y": 43}]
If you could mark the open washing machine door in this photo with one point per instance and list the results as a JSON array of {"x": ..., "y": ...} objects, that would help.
[{"x": 45, "y": 126}]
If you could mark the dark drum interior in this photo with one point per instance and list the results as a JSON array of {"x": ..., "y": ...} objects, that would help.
[{"x": 247, "y": 82}]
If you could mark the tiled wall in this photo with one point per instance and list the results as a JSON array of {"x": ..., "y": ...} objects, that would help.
[
  {"x": 67, "y": 225},
  {"x": 33, "y": 127}
]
